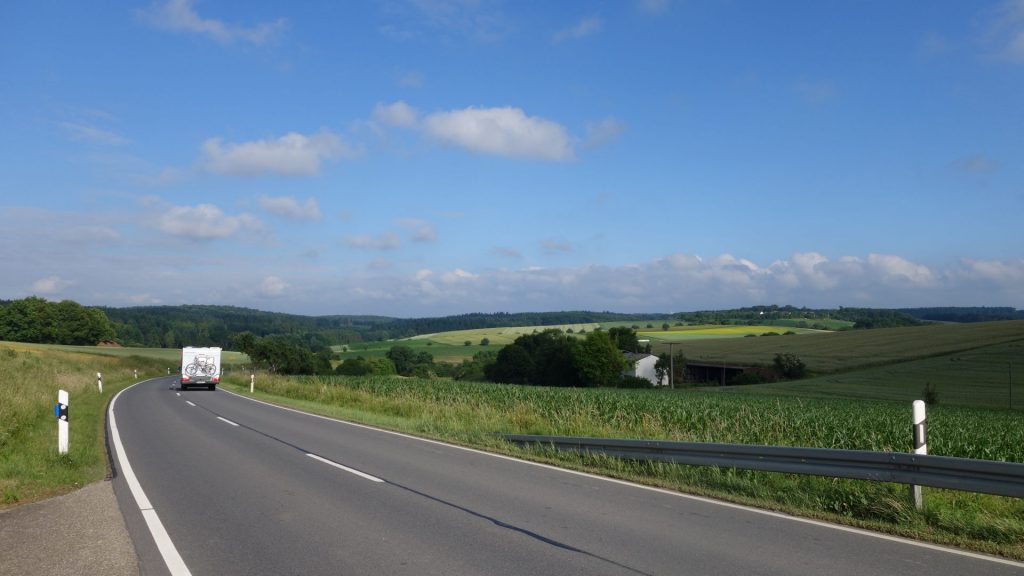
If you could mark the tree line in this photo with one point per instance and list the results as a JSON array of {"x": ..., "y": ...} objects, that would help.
[{"x": 36, "y": 320}]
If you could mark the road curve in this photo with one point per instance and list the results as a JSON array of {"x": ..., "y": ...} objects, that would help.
[{"x": 242, "y": 487}]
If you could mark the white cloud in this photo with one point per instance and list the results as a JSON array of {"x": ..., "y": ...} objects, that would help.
[
  {"x": 293, "y": 154},
  {"x": 273, "y": 286},
  {"x": 585, "y": 27},
  {"x": 386, "y": 241},
  {"x": 88, "y": 133},
  {"x": 205, "y": 222},
  {"x": 1007, "y": 29},
  {"x": 290, "y": 207},
  {"x": 653, "y": 6},
  {"x": 501, "y": 132},
  {"x": 398, "y": 114},
  {"x": 179, "y": 16},
  {"x": 603, "y": 132},
  {"x": 422, "y": 231},
  {"x": 50, "y": 285}
]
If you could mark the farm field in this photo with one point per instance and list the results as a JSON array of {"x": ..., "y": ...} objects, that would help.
[
  {"x": 450, "y": 346},
  {"x": 854, "y": 349},
  {"x": 981, "y": 378},
  {"x": 706, "y": 332}
]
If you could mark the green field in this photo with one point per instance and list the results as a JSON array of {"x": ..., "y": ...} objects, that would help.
[
  {"x": 710, "y": 332},
  {"x": 987, "y": 377},
  {"x": 172, "y": 356},
  {"x": 854, "y": 349}
]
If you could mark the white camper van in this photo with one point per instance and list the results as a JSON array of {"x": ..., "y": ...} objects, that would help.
[{"x": 200, "y": 367}]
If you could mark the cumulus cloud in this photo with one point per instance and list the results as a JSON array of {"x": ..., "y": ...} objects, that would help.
[
  {"x": 582, "y": 29},
  {"x": 180, "y": 16},
  {"x": 273, "y": 286},
  {"x": 397, "y": 114},
  {"x": 205, "y": 222},
  {"x": 501, "y": 132},
  {"x": 386, "y": 241},
  {"x": 293, "y": 154},
  {"x": 50, "y": 285},
  {"x": 290, "y": 207}
]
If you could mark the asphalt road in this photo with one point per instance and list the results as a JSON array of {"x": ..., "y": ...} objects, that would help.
[{"x": 237, "y": 492}]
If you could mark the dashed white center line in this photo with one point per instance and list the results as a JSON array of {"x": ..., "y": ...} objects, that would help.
[
  {"x": 189, "y": 403},
  {"x": 226, "y": 420},
  {"x": 345, "y": 468}
]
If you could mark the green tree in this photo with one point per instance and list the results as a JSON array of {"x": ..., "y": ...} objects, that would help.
[
  {"x": 625, "y": 338},
  {"x": 790, "y": 366},
  {"x": 599, "y": 361},
  {"x": 512, "y": 366}
]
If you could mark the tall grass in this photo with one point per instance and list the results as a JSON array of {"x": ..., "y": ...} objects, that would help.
[
  {"x": 30, "y": 467},
  {"x": 474, "y": 414}
]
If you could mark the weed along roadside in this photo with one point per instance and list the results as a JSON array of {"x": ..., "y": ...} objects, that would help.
[
  {"x": 31, "y": 467},
  {"x": 474, "y": 414}
]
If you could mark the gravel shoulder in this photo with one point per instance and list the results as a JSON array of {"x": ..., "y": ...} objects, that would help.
[{"x": 81, "y": 533}]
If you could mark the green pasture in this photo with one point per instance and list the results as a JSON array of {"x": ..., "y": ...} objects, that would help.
[
  {"x": 827, "y": 352},
  {"x": 715, "y": 331},
  {"x": 987, "y": 377}
]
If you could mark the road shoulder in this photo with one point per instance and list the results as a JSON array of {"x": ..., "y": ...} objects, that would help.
[{"x": 77, "y": 533}]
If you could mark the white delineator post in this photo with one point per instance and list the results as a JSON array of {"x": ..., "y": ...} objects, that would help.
[
  {"x": 920, "y": 447},
  {"x": 252, "y": 383},
  {"x": 61, "y": 410},
  {"x": 99, "y": 381}
]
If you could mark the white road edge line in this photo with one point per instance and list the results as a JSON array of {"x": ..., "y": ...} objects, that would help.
[
  {"x": 810, "y": 521},
  {"x": 226, "y": 420},
  {"x": 345, "y": 468},
  {"x": 189, "y": 402},
  {"x": 175, "y": 565}
]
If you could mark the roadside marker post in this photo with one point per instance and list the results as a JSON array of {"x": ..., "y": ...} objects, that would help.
[
  {"x": 60, "y": 410},
  {"x": 99, "y": 382},
  {"x": 920, "y": 447},
  {"x": 136, "y": 374},
  {"x": 252, "y": 383}
]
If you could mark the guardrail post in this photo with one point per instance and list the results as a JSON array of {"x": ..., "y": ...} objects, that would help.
[
  {"x": 99, "y": 382},
  {"x": 920, "y": 447},
  {"x": 61, "y": 412}
]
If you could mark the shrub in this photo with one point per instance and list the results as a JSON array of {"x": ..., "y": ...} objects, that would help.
[
  {"x": 789, "y": 366},
  {"x": 635, "y": 382}
]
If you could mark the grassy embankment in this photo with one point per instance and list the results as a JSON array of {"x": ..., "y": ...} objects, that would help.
[
  {"x": 30, "y": 375},
  {"x": 472, "y": 413}
]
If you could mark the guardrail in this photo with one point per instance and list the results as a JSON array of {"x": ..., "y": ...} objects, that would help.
[{"x": 985, "y": 476}]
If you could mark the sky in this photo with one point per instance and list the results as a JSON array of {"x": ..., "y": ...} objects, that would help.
[{"x": 416, "y": 158}]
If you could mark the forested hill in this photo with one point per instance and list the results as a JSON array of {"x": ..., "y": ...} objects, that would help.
[
  {"x": 965, "y": 313},
  {"x": 198, "y": 325}
]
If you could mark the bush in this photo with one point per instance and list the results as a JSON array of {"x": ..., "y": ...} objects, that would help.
[
  {"x": 930, "y": 394},
  {"x": 789, "y": 366},
  {"x": 467, "y": 343},
  {"x": 485, "y": 341}
]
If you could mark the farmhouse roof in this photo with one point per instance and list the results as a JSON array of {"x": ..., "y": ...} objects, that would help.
[{"x": 635, "y": 356}]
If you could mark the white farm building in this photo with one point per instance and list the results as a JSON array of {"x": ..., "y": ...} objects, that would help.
[{"x": 642, "y": 366}]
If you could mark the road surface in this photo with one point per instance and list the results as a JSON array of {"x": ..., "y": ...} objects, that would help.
[{"x": 228, "y": 485}]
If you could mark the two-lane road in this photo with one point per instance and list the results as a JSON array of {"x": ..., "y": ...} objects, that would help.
[{"x": 242, "y": 487}]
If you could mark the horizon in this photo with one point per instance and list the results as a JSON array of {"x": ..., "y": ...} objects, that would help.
[{"x": 425, "y": 159}]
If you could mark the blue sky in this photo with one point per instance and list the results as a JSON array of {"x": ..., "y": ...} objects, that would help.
[{"x": 430, "y": 157}]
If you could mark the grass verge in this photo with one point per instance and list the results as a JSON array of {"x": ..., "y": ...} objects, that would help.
[
  {"x": 472, "y": 415},
  {"x": 30, "y": 467}
]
